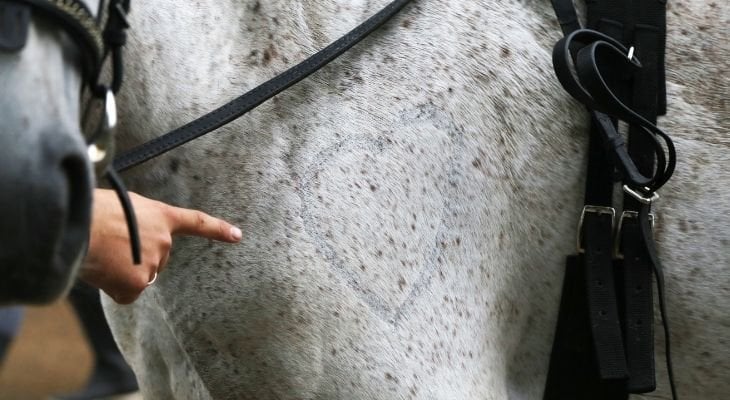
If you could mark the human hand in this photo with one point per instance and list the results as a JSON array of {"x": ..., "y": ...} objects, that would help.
[{"x": 108, "y": 264}]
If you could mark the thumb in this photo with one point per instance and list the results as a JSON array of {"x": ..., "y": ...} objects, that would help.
[{"x": 196, "y": 223}]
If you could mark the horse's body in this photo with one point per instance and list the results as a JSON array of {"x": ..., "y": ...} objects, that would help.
[{"x": 407, "y": 210}]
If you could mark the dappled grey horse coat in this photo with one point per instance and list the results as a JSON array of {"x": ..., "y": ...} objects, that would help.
[{"x": 406, "y": 211}]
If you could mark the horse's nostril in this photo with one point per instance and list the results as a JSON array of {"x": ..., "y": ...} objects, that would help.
[
  {"x": 45, "y": 225},
  {"x": 77, "y": 179}
]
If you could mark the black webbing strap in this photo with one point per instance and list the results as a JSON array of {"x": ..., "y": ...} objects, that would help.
[
  {"x": 642, "y": 24},
  {"x": 602, "y": 299},
  {"x": 612, "y": 18},
  {"x": 256, "y": 96},
  {"x": 601, "y": 368},
  {"x": 572, "y": 372},
  {"x": 638, "y": 307},
  {"x": 601, "y": 296}
]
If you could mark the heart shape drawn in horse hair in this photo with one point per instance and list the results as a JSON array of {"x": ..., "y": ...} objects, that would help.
[{"x": 377, "y": 209}]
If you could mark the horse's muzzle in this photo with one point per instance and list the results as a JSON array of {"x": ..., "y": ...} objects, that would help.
[{"x": 45, "y": 213}]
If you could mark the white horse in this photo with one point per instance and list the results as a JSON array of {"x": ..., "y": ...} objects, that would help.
[{"x": 407, "y": 209}]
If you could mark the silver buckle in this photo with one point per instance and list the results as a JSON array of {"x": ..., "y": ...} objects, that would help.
[
  {"x": 617, "y": 240},
  {"x": 597, "y": 210},
  {"x": 641, "y": 198}
]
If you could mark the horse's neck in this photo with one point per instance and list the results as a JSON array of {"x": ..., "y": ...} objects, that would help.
[{"x": 212, "y": 51}]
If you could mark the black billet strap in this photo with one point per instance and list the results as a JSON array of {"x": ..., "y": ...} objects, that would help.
[
  {"x": 638, "y": 307},
  {"x": 14, "y": 23},
  {"x": 256, "y": 96},
  {"x": 601, "y": 296}
]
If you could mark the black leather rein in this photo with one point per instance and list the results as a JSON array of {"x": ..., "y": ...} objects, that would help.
[{"x": 250, "y": 100}]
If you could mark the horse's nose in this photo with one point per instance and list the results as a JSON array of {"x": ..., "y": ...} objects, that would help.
[{"x": 45, "y": 207}]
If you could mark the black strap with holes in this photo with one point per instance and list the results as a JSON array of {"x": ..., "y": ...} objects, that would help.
[{"x": 250, "y": 100}]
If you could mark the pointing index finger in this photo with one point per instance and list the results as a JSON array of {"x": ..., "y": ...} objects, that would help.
[{"x": 197, "y": 223}]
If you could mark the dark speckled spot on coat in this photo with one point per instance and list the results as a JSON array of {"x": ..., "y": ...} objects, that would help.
[
  {"x": 174, "y": 165},
  {"x": 390, "y": 377}
]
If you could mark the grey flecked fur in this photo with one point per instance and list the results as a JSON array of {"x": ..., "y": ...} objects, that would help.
[{"x": 407, "y": 210}]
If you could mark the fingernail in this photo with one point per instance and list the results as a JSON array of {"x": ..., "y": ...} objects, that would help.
[{"x": 236, "y": 233}]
